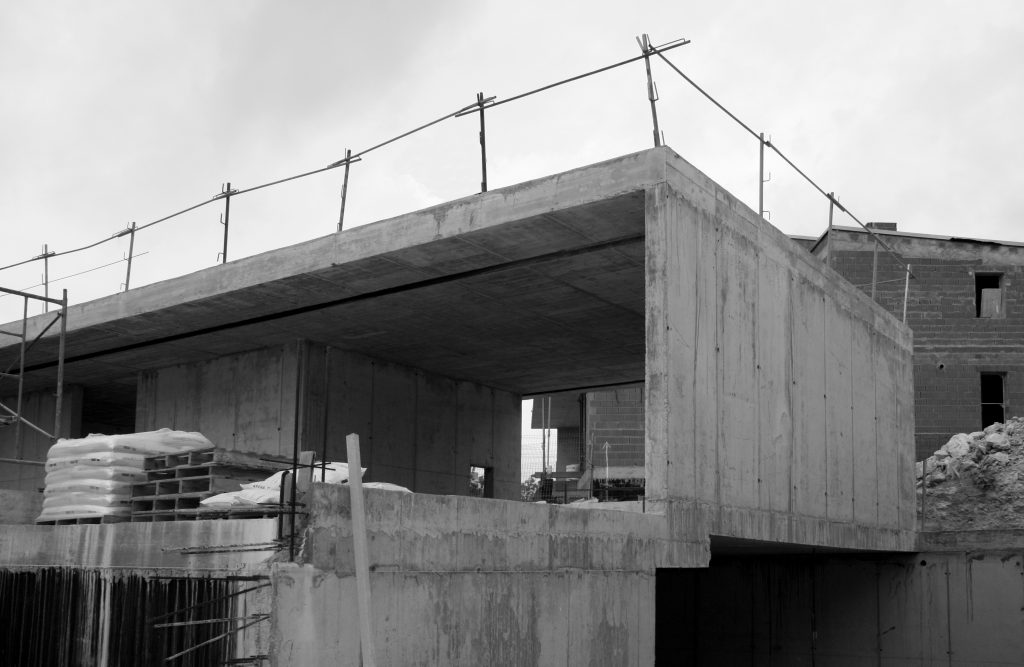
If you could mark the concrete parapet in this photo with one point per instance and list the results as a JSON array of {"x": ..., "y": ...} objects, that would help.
[{"x": 420, "y": 532}]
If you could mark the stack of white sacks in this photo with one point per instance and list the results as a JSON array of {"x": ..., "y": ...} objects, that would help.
[
  {"x": 93, "y": 476},
  {"x": 268, "y": 491}
]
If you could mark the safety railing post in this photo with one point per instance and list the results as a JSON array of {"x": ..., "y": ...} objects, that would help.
[
  {"x": 483, "y": 143},
  {"x": 652, "y": 91},
  {"x": 344, "y": 189}
]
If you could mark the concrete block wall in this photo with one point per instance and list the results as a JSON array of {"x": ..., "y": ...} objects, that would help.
[
  {"x": 616, "y": 418},
  {"x": 952, "y": 345},
  {"x": 778, "y": 396}
]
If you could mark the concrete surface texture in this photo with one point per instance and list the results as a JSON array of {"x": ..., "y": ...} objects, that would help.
[
  {"x": 418, "y": 430},
  {"x": 778, "y": 397},
  {"x": 777, "y": 408},
  {"x": 954, "y": 342},
  {"x": 572, "y": 617},
  {"x": 198, "y": 547},
  {"x": 960, "y": 609}
]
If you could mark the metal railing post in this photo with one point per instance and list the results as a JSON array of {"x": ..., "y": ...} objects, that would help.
[
  {"x": 225, "y": 220},
  {"x": 483, "y": 143},
  {"x": 874, "y": 270},
  {"x": 58, "y": 408},
  {"x": 760, "y": 177},
  {"x": 131, "y": 252},
  {"x": 344, "y": 188},
  {"x": 906, "y": 291},
  {"x": 652, "y": 92}
]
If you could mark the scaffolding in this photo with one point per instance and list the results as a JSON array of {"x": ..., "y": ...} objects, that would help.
[{"x": 13, "y": 416}]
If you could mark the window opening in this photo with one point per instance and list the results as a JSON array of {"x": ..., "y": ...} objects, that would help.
[
  {"x": 992, "y": 405},
  {"x": 481, "y": 481},
  {"x": 988, "y": 295}
]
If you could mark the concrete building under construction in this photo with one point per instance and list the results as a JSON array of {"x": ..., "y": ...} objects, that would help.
[{"x": 778, "y": 521}]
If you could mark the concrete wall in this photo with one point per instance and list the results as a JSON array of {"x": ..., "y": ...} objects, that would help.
[
  {"x": 776, "y": 392},
  {"x": 419, "y": 430},
  {"x": 952, "y": 346},
  {"x": 459, "y": 580},
  {"x": 584, "y": 618},
  {"x": 923, "y": 609},
  {"x": 38, "y": 408},
  {"x": 416, "y": 429},
  {"x": 156, "y": 545}
]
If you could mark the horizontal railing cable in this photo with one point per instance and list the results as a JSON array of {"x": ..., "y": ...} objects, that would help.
[{"x": 769, "y": 144}]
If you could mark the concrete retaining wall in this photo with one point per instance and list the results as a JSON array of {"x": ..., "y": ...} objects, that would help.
[{"x": 584, "y": 618}]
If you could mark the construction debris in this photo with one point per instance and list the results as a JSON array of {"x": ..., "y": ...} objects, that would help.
[{"x": 975, "y": 481}]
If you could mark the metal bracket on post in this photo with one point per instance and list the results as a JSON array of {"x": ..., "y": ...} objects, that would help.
[
  {"x": 652, "y": 90},
  {"x": 344, "y": 188},
  {"x": 225, "y": 219}
]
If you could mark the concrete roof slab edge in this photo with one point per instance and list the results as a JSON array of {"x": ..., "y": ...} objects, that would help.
[{"x": 602, "y": 180}]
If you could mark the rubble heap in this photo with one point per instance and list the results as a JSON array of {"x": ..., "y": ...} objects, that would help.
[{"x": 975, "y": 481}]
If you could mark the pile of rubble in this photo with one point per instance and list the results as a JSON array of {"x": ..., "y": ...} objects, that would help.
[{"x": 975, "y": 481}]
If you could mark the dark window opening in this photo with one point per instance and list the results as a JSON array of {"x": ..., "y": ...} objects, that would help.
[
  {"x": 481, "y": 481},
  {"x": 988, "y": 295},
  {"x": 992, "y": 405}
]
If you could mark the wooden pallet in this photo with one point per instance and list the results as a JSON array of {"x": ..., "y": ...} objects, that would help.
[
  {"x": 86, "y": 520},
  {"x": 202, "y": 513}
]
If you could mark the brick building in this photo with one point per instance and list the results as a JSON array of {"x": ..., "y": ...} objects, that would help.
[
  {"x": 965, "y": 304},
  {"x": 600, "y": 436}
]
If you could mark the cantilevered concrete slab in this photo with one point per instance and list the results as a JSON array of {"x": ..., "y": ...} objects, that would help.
[{"x": 777, "y": 394}]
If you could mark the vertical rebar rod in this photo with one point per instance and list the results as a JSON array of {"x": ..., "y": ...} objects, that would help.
[
  {"x": 483, "y": 144},
  {"x": 227, "y": 222},
  {"x": 831, "y": 237},
  {"x": 906, "y": 290},
  {"x": 344, "y": 188},
  {"x": 645, "y": 47},
  {"x": 60, "y": 367},
  {"x": 21, "y": 379},
  {"x": 131, "y": 252},
  {"x": 760, "y": 178},
  {"x": 874, "y": 270}
]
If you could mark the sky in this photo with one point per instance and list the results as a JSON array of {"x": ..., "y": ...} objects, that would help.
[{"x": 117, "y": 112}]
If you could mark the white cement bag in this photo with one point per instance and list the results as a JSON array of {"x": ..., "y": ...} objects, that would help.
[
  {"x": 104, "y": 486},
  {"x": 112, "y": 473},
  {"x": 136, "y": 461},
  {"x": 90, "y": 444},
  {"x": 82, "y": 498},
  {"x": 385, "y": 486},
  {"x": 164, "y": 441},
  {"x": 221, "y": 500},
  {"x": 336, "y": 473}
]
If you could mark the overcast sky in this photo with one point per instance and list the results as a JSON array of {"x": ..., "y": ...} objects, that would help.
[{"x": 115, "y": 112}]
